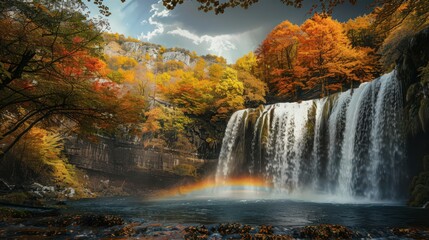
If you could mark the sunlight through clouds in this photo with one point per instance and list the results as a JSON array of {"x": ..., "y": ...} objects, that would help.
[
  {"x": 158, "y": 11},
  {"x": 217, "y": 44}
]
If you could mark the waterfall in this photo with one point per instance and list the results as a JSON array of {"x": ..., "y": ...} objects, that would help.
[{"x": 349, "y": 144}]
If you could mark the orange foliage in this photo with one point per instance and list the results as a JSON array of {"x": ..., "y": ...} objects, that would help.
[{"x": 314, "y": 56}]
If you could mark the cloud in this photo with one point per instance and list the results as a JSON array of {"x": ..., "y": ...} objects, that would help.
[
  {"x": 217, "y": 44},
  {"x": 158, "y": 11}
]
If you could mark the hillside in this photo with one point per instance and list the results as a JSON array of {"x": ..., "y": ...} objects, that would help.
[{"x": 188, "y": 98}]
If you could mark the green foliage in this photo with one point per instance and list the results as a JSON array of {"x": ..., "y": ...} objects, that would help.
[
  {"x": 165, "y": 128},
  {"x": 116, "y": 76},
  {"x": 230, "y": 93},
  {"x": 419, "y": 190}
]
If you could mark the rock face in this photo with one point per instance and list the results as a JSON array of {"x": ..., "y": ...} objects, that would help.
[
  {"x": 139, "y": 51},
  {"x": 177, "y": 56},
  {"x": 416, "y": 55},
  {"x": 416, "y": 113},
  {"x": 116, "y": 157}
]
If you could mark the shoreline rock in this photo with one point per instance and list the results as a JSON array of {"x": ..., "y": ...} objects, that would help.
[{"x": 28, "y": 223}]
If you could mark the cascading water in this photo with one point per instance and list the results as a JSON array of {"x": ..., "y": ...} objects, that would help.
[{"x": 348, "y": 145}]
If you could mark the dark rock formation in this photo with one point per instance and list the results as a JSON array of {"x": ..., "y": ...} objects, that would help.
[
  {"x": 415, "y": 56},
  {"x": 416, "y": 98}
]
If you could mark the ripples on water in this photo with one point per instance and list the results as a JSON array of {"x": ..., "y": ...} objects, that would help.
[{"x": 256, "y": 212}]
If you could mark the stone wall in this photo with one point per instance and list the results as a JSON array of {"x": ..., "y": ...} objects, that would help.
[{"x": 112, "y": 156}]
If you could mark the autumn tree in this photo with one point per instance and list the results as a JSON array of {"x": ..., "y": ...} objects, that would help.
[
  {"x": 165, "y": 127},
  {"x": 312, "y": 60},
  {"x": 50, "y": 70},
  {"x": 230, "y": 93},
  {"x": 277, "y": 59},
  {"x": 397, "y": 23},
  {"x": 254, "y": 89}
]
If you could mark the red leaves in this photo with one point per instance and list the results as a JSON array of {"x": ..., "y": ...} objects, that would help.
[{"x": 77, "y": 40}]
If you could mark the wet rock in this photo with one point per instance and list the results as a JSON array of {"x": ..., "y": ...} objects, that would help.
[
  {"x": 100, "y": 220},
  {"x": 215, "y": 236},
  {"x": 413, "y": 233},
  {"x": 233, "y": 236},
  {"x": 125, "y": 231},
  {"x": 325, "y": 231},
  {"x": 233, "y": 231},
  {"x": 36, "y": 194},
  {"x": 36, "y": 186},
  {"x": 229, "y": 228},
  {"x": 47, "y": 189},
  {"x": 267, "y": 230},
  {"x": 140, "y": 229},
  {"x": 69, "y": 192},
  {"x": 89, "y": 220}
]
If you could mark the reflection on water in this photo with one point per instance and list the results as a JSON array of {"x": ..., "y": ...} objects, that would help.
[{"x": 256, "y": 212}]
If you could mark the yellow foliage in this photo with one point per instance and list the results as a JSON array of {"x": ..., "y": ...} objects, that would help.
[
  {"x": 247, "y": 62},
  {"x": 124, "y": 62},
  {"x": 128, "y": 76},
  {"x": 40, "y": 153}
]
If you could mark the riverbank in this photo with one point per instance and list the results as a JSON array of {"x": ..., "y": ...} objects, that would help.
[
  {"x": 135, "y": 217},
  {"x": 92, "y": 184},
  {"x": 23, "y": 223}
]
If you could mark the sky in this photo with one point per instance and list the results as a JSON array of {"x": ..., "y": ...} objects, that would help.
[{"x": 231, "y": 35}]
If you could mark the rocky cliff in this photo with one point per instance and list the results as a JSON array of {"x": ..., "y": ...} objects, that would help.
[
  {"x": 117, "y": 157},
  {"x": 415, "y": 88},
  {"x": 140, "y": 50}
]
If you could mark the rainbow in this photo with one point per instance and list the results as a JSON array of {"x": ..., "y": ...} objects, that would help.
[{"x": 209, "y": 187}]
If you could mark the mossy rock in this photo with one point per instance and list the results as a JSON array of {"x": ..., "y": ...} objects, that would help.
[
  {"x": 413, "y": 91},
  {"x": 423, "y": 179},
  {"x": 419, "y": 196},
  {"x": 326, "y": 231},
  {"x": 420, "y": 190}
]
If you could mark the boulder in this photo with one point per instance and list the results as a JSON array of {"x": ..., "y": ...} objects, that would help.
[
  {"x": 420, "y": 190},
  {"x": 36, "y": 186}
]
